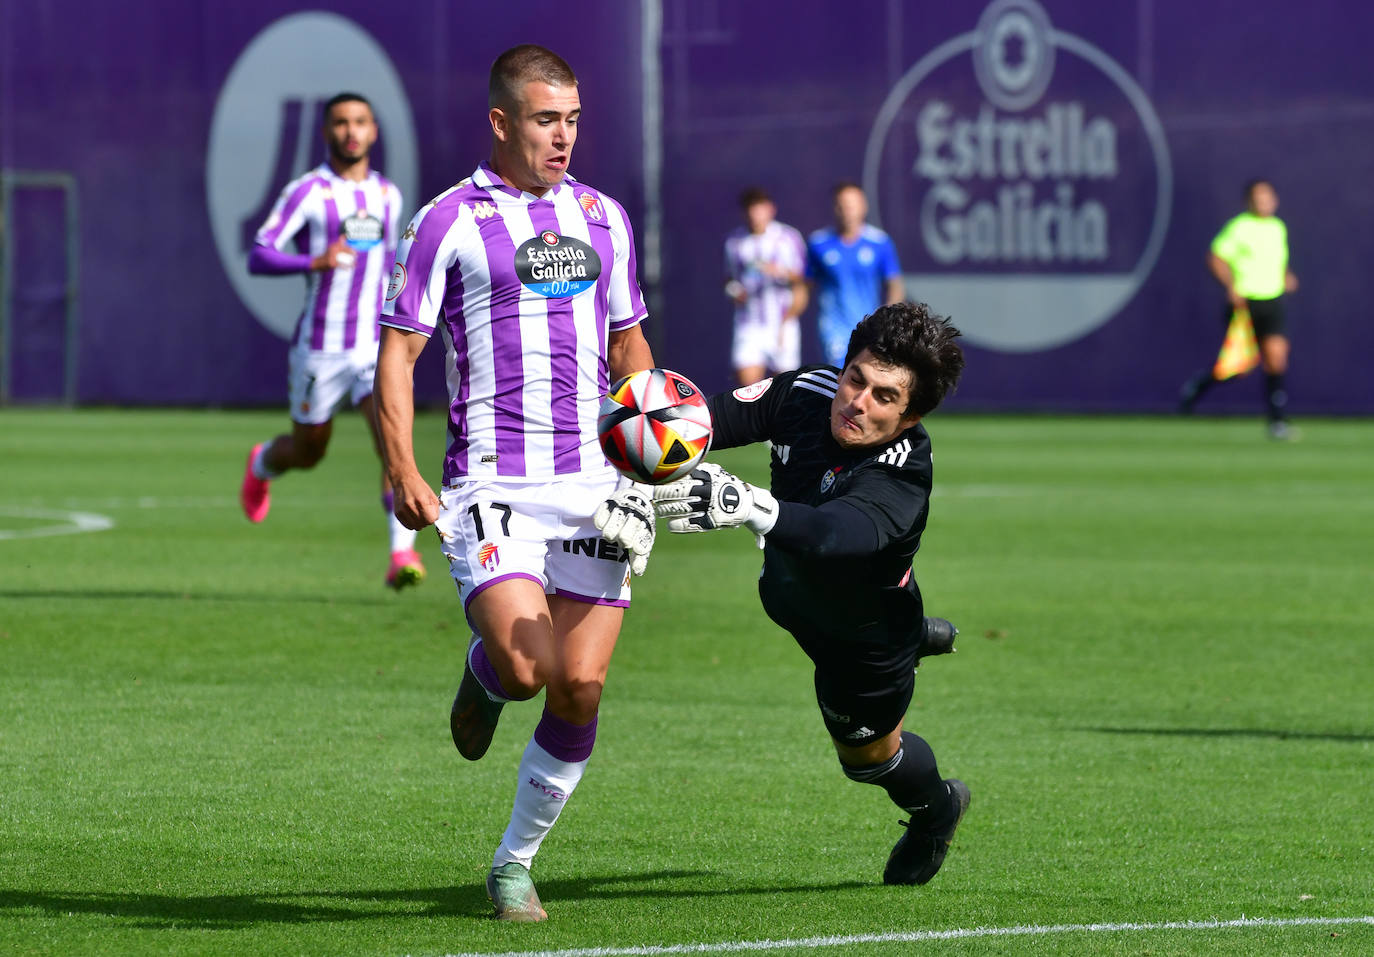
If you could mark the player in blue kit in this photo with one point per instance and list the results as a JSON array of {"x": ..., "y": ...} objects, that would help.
[{"x": 853, "y": 267}]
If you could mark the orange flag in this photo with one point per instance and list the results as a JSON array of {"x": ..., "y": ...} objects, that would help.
[{"x": 1240, "y": 352}]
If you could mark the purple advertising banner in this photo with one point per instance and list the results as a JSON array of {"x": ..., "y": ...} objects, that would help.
[{"x": 1052, "y": 174}]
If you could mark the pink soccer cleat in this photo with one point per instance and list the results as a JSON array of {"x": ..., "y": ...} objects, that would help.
[
  {"x": 406, "y": 569},
  {"x": 253, "y": 494}
]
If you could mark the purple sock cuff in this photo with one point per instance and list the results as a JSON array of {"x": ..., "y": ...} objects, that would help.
[
  {"x": 389, "y": 501},
  {"x": 486, "y": 674},
  {"x": 564, "y": 740}
]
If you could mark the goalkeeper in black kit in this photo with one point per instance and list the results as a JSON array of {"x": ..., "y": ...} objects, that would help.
[{"x": 850, "y": 493}]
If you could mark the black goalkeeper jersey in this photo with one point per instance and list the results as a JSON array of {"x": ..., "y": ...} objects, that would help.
[{"x": 857, "y": 585}]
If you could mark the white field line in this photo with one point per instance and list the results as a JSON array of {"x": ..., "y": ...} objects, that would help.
[
  {"x": 57, "y": 522},
  {"x": 918, "y": 936}
]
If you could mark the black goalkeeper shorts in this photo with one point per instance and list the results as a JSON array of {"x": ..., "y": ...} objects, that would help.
[{"x": 863, "y": 689}]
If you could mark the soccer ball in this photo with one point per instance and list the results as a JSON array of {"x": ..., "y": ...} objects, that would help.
[{"x": 654, "y": 426}]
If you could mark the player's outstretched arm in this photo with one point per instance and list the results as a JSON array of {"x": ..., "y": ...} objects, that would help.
[{"x": 393, "y": 392}]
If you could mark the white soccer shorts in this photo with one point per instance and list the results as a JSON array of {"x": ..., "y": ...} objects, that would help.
[
  {"x": 318, "y": 381},
  {"x": 760, "y": 344},
  {"x": 492, "y": 531}
]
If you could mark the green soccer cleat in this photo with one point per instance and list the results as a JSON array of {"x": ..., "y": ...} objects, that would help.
[
  {"x": 513, "y": 895},
  {"x": 919, "y": 853}
]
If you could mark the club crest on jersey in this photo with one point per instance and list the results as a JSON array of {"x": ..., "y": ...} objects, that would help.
[
  {"x": 362, "y": 230},
  {"x": 591, "y": 205},
  {"x": 488, "y": 556},
  {"x": 557, "y": 266},
  {"x": 828, "y": 479}
]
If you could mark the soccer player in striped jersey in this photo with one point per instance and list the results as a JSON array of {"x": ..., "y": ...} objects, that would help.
[
  {"x": 529, "y": 276},
  {"x": 763, "y": 276},
  {"x": 342, "y": 218},
  {"x": 850, "y": 494}
]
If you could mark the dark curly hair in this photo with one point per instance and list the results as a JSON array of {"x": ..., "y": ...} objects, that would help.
[{"x": 909, "y": 335}]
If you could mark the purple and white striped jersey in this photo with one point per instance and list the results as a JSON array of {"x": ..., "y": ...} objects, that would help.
[
  {"x": 341, "y": 305},
  {"x": 526, "y": 291},
  {"x": 779, "y": 246}
]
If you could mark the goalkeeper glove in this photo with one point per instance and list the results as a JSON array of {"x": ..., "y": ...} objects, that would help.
[
  {"x": 710, "y": 497},
  {"x": 627, "y": 518}
]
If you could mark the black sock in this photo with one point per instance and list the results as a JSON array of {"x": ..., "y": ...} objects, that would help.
[
  {"x": 911, "y": 779},
  {"x": 1275, "y": 396},
  {"x": 1196, "y": 387}
]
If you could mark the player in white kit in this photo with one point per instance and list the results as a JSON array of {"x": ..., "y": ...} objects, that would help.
[
  {"x": 342, "y": 217},
  {"x": 530, "y": 277},
  {"x": 764, "y": 260}
]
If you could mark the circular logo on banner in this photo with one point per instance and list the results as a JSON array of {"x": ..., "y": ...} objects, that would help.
[
  {"x": 266, "y": 132},
  {"x": 1031, "y": 206}
]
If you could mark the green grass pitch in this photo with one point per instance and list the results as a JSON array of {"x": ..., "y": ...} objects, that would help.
[{"x": 219, "y": 738}]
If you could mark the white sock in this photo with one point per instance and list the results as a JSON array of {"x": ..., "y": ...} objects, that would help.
[
  {"x": 545, "y": 784},
  {"x": 402, "y": 538},
  {"x": 260, "y": 469}
]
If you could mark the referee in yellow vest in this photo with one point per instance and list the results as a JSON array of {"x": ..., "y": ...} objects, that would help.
[{"x": 1249, "y": 257}]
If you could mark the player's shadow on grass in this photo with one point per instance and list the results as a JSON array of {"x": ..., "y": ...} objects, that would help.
[
  {"x": 225, "y": 911},
  {"x": 1277, "y": 734},
  {"x": 116, "y": 594}
]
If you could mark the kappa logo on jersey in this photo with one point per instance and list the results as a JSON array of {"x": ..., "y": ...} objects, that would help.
[
  {"x": 828, "y": 479},
  {"x": 591, "y": 205},
  {"x": 564, "y": 267},
  {"x": 481, "y": 211},
  {"x": 397, "y": 283},
  {"x": 410, "y": 231},
  {"x": 752, "y": 393},
  {"x": 489, "y": 556},
  {"x": 362, "y": 230}
]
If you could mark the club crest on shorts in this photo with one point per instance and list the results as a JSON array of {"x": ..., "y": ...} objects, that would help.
[{"x": 489, "y": 556}]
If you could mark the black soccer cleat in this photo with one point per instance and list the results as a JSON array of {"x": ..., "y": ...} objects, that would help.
[
  {"x": 918, "y": 854},
  {"x": 938, "y": 638},
  {"x": 472, "y": 722}
]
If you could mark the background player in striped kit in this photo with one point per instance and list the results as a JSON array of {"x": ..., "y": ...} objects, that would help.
[
  {"x": 343, "y": 216},
  {"x": 530, "y": 275},
  {"x": 763, "y": 275}
]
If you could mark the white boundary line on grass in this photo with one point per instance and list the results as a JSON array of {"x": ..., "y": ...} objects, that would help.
[
  {"x": 917, "y": 936},
  {"x": 63, "y": 522}
]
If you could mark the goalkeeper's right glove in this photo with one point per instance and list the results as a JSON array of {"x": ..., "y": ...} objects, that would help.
[{"x": 710, "y": 497}]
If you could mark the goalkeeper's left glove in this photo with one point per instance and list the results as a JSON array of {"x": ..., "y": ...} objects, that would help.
[
  {"x": 627, "y": 518},
  {"x": 710, "y": 497}
]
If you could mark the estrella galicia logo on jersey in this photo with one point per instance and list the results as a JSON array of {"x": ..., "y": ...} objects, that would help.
[
  {"x": 489, "y": 556},
  {"x": 362, "y": 230},
  {"x": 828, "y": 479},
  {"x": 564, "y": 267},
  {"x": 397, "y": 283},
  {"x": 591, "y": 205}
]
